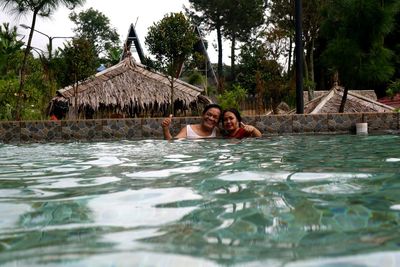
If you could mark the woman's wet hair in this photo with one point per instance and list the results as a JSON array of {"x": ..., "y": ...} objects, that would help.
[
  {"x": 234, "y": 111},
  {"x": 210, "y": 106}
]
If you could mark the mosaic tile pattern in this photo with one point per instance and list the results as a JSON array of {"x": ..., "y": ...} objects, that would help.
[
  {"x": 121, "y": 129},
  {"x": 40, "y": 131},
  {"x": 343, "y": 122},
  {"x": 85, "y": 130},
  {"x": 382, "y": 121},
  {"x": 274, "y": 124},
  {"x": 151, "y": 128},
  {"x": 310, "y": 123},
  {"x": 115, "y": 129},
  {"x": 10, "y": 132}
]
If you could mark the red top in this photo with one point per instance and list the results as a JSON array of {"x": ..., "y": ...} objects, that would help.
[
  {"x": 240, "y": 134},
  {"x": 53, "y": 117}
]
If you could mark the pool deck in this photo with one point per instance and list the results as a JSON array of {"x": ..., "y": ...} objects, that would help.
[{"x": 150, "y": 128}]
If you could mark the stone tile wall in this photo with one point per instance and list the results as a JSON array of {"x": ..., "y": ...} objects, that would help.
[{"x": 150, "y": 128}]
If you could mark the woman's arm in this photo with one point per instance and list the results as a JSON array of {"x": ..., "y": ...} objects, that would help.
[
  {"x": 165, "y": 126},
  {"x": 166, "y": 132},
  {"x": 253, "y": 131}
]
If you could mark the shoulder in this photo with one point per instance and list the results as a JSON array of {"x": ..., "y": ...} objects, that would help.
[{"x": 183, "y": 132}]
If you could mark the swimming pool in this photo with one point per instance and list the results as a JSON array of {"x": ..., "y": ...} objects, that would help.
[{"x": 280, "y": 201}]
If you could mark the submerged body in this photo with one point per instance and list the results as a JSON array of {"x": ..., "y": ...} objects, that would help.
[{"x": 282, "y": 201}]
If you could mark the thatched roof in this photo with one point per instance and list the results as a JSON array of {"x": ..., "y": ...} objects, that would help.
[
  {"x": 330, "y": 101},
  {"x": 125, "y": 85}
]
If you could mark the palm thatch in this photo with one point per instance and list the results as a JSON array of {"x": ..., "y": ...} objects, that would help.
[
  {"x": 127, "y": 89},
  {"x": 330, "y": 101}
]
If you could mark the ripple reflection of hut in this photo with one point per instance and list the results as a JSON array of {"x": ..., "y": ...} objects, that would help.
[{"x": 126, "y": 90}]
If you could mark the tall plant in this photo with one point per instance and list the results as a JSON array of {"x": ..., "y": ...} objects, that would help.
[
  {"x": 95, "y": 26},
  {"x": 241, "y": 19},
  {"x": 210, "y": 14},
  {"x": 171, "y": 41},
  {"x": 41, "y": 8},
  {"x": 356, "y": 30}
]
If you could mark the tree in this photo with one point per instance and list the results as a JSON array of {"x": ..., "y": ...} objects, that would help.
[
  {"x": 355, "y": 31},
  {"x": 392, "y": 41},
  {"x": 240, "y": 19},
  {"x": 210, "y": 14},
  {"x": 77, "y": 61},
  {"x": 9, "y": 46},
  {"x": 260, "y": 73},
  {"x": 10, "y": 53},
  {"x": 281, "y": 18},
  {"x": 41, "y": 8},
  {"x": 171, "y": 41},
  {"x": 95, "y": 27}
]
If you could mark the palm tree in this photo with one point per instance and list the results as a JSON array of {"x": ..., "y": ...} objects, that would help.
[{"x": 41, "y": 8}]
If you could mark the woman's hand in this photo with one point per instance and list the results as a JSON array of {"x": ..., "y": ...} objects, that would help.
[
  {"x": 165, "y": 126},
  {"x": 253, "y": 131},
  {"x": 167, "y": 122},
  {"x": 248, "y": 128}
]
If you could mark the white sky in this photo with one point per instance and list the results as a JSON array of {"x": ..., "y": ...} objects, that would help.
[{"x": 121, "y": 14}]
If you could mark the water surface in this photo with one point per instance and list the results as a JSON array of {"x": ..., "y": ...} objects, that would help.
[{"x": 279, "y": 201}]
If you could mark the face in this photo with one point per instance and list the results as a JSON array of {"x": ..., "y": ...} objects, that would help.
[
  {"x": 211, "y": 117},
  {"x": 230, "y": 121}
]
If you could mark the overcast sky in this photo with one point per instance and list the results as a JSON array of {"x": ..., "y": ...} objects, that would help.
[{"x": 121, "y": 14}]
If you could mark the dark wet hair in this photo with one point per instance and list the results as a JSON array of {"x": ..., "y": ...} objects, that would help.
[
  {"x": 206, "y": 108},
  {"x": 234, "y": 111}
]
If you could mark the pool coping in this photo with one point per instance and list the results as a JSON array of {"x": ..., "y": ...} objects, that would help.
[{"x": 150, "y": 128}]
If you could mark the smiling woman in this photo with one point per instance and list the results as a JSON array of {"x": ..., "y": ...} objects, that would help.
[
  {"x": 206, "y": 129},
  {"x": 235, "y": 128}
]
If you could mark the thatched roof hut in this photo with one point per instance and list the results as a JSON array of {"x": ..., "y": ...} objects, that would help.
[
  {"x": 127, "y": 89},
  {"x": 329, "y": 102}
]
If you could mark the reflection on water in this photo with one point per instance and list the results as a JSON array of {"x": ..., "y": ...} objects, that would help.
[{"x": 290, "y": 200}]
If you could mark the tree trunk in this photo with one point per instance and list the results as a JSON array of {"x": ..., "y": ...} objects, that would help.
[
  {"x": 172, "y": 110},
  {"x": 290, "y": 54},
  {"x": 76, "y": 111},
  {"x": 344, "y": 98},
  {"x": 23, "y": 69},
  {"x": 220, "y": 68},
  {"x": 305, "y": 72},
  {"x": 312, "y": 61},
  {"x": 233, "y": 72}
]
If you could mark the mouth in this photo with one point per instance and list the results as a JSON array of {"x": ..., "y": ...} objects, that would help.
[{"x": 210, "y": 122}]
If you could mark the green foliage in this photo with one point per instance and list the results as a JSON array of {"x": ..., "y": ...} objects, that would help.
[
  {"x": 232, "y": 98},
  {"x": 43, "y": 8},
  {"x": 393, "y": 88},
  {"x": 254, "y": 58},
  {"x": 76, "y": 62},
  {"x": 171, "y": 41},
  {"x": 196, "y": 78},
  {"x": 241, "y": 17},
  {"x": 210, "y": 15},
  {"x": 95, "y": 27},
  {"x": 392, "y": 41},
  {"x": 113, "y": 55},
  {"x": 356, "y": 30},
  {"x": 9, "y": 47},
  {"x": 8, "y": 89}
]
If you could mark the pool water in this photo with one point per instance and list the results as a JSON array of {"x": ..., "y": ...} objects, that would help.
[{"x": 279, "y": 201}]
